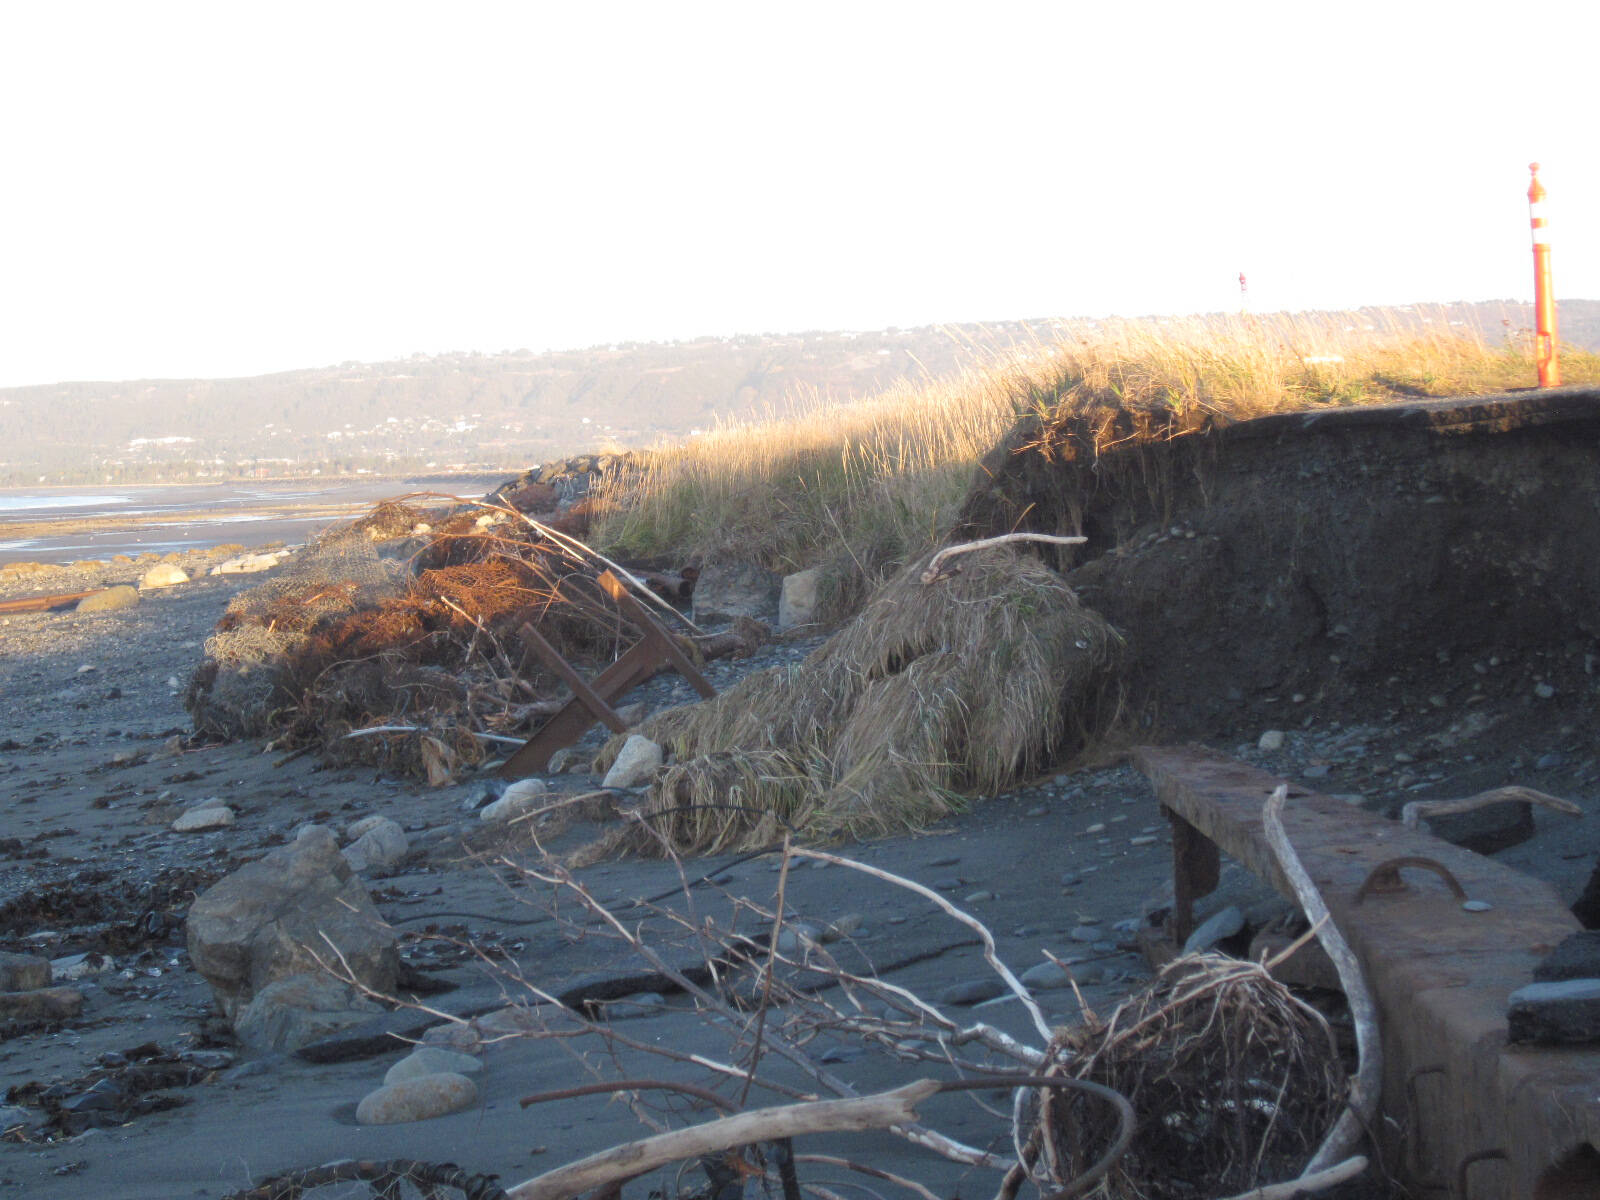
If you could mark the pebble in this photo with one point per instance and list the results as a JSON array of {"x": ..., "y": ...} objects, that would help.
[
  {"x": 949, "y": 860},
  {"x": 1144, "y": 839},
  {"x": 1476, "y": 905},
  {"x": 948, "y": 885},
  {"x": 1046, "y": 975},
  {"x": 1220, "y": 925},
  {"x": 1037, "y": 811},
  {"x": 431, "y": 1060},
  {"x": 417, "y": 1099},
  {"x": 1070, "y": 879},
  {"x": 1097, "y": 827},
  {"x": 195, "y": 820},
  {"x": 1548, "y": 762},
  {"x": 1084, "y": 933},
  {"x": 977, "y": 897},
  {"x": 1544, "y": 691},
  {"x": 1272, "y": 739},
  {"x": 1319, "y": 771}
]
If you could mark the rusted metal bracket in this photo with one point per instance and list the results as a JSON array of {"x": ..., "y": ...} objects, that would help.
[
  {"x": 654, "y": 652},
  {"x": 1384, "y": 879}
]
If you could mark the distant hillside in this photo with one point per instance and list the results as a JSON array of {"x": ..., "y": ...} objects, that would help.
[{"x": 474, "y": 411}]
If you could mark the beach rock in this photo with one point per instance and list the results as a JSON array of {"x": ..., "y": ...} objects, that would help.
[
  {"x": 417, "y": 1099},
  {"x": 355, "y": 829},
  {"x": 23, "y": 972},
  {"x": 1271, "y": 740},
  {"x": 1575, "y": 957},
  {"x": 381, "y": 847},
  {"x": 972, "y": 991},
  {"x": 163, "y": 575},
  {"x": 1214, "y": 929},
  {"x": 78, "y": 966},
  {"x": 1556, "y": 1013},
  {"x": 122, "y": 596},
  {"x": 431, "y": 1060},
  {"x": 636, "y": 763},
  {"x": 199, "y": 819},
  {"x": 568, "y": 760},
  {"x": 522, "y": 796},
  {"x": 276, "y": 917},
  {"x": 730, "y": 588},
  {"x": 41, "y": 1004},
  {"x": 246, "y": 564},
  {"x": 300, "y": 1009},
  {"x": 797, "y": 602},
  {"x": 1046, "y": 975}
]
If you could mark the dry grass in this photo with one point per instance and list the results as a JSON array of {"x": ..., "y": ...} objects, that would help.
[
  {"x": 867, "y": 487},
  {"x": 932, "y": 693}
]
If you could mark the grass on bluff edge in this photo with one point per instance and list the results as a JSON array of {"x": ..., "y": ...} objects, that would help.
[{"x": 866, "y": 487}]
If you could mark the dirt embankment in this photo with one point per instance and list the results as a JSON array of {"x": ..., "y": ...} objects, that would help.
[{"x": 1358, "y": 559}]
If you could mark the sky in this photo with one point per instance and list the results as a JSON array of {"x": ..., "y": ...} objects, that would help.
[{"x": 224, "y": 189}]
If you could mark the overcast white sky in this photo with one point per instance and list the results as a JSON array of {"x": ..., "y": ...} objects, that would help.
[{"x": 231, "y": 188}]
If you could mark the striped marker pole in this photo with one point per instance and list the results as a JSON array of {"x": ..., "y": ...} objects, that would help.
[{"x": 1544, "y": 296}]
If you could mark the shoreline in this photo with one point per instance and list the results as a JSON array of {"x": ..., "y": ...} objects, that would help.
[{"x": 190, "y": 519}]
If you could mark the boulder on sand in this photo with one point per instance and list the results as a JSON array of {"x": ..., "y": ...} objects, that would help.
[{"x": 286, "y": 914}]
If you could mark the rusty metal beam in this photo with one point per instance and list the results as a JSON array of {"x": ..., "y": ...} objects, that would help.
[{"x": 1458, "y": 1097}]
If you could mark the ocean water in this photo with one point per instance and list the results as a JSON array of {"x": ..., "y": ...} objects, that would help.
[{"x": 48, "y": 525}]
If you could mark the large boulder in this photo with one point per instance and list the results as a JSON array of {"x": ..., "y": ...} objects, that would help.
[
  {"x": 299, "y": 1009},
  {"x": 287, "y": 914}
]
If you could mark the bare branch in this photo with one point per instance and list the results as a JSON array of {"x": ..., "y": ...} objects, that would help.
[
  {"x": 1422, "y": 809},
  {"x": 935, "y": 564}
]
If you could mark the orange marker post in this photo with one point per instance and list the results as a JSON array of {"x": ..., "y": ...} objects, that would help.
[{"x": 1544, "y": 296}]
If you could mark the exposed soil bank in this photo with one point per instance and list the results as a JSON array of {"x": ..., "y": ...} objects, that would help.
[{"x": 1323, "y": 555}]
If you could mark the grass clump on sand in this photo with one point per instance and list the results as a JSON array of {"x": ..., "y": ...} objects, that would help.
[
  {"x": 933, "y": 692},
  {"x": 865, "y": 488}
]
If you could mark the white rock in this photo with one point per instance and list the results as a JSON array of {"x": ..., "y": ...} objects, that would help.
[
  {"x": 357, "y": 828},
  {"x": 246, "y": 564},
  {"x": 1272, "y": 739},
  {"x": 380, "y": 848},
  {"x": 797, "y": 601},
  {"x": 522, "y": 796},
  {"x": 214, "y": 816},
  {"x": 430, "y": 1060},
  {"x": 78, "y": 966},
  {"x": 163, "y": 575},
  {"x": 1213, "y": 930},
  {"x": 638, "y": 761}
]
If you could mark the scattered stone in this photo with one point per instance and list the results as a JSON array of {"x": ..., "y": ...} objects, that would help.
[
  {"x": 1216, "y": 928},
  {"x": 1097, "y": 827},
  {"x": 1144, "y": 839},
  {"x": 568, "y": 760},
  {"x": 1038, "y": 810},
  {"x": 797, "y": 936},
  {"x": 209, "y": 816},
  {"x": 357, "y": 828},
  {"x": 636, "y": 763},
  {"x": 1070, "y": 879},
  {"x": 1549, "y": 762},
  {"x": 23, "y": 972},
  {"x": 797, "y": 601},
  {"x": 522, "y": 796},
  {"x": 124, "y": 595},
  {"x": 247, "y": 564},
  {"x": 1045, "y": 976},
  {"x": 1544, "y": 691},
  {"x": 1575, "y": 957},
  {"x": 1272, "y": 739},
  {"x": 977, "y": 897},
  {"x": 41, "y": 1004},
  {"x": 381, "y": 848},
  {"x": 947, "y": 860},
  {"x": 1317, "y": 771},
  {"x": 418, "y": 1099},
  {"x": 972, "y": 991},
  {"x": 300, "y": 1009},
  {"x": 845, "y": 926},
  {"x": 1476, "y": 906},
  {"x": 163, "y": 575},
  {"x": 78, "y": 966},
  {"x": 1084, "y": 933},
  {"x": 1563, "y": 1012},
  {"x": 276, "y": 916},
  {"x": 431, "y": 1060}
]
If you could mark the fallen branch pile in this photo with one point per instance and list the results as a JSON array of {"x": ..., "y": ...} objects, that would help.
[{"x": 407, "y": 636}]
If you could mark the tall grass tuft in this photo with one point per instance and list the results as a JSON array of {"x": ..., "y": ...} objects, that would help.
[{"x": 866, "y": 487}]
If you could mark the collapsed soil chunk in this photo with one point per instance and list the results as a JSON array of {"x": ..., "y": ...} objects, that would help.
[{"x": 933, "y": 693}]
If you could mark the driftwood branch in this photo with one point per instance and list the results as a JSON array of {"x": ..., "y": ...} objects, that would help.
[
  {"x": 1308, "y": 1184},
  {"x": 1362, "y": 1105},
  {"x": 1421, "y": 809},
  {"x": 934, "y": 569},
  {"x": 881, "y": 1111}
]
